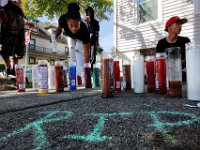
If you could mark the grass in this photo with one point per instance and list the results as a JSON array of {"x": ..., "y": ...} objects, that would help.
[{"x": 6, "y": 84}]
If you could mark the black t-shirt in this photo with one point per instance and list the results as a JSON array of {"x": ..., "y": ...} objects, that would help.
[
  {"x": 163, "y": 44},
  {"x": 15, "y": 9},
  {"x": 82, "y": 34}
]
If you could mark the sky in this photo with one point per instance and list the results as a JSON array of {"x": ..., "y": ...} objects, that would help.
[{"x": 105, "y": 34}]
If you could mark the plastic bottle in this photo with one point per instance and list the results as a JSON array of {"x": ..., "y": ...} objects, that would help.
[
  {"x": 72, "y": 76},
  {"x": 59, "y": 77},
  {"x": 20, "y": 78},
  {"x": 43, "y": 77}
]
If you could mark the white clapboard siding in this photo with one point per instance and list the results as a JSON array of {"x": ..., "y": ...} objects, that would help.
[{"x": 131, "y": 36}]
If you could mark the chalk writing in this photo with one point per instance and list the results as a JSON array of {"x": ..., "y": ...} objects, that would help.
[
  {"x": 163, "y": 126},
  {"x": 96, "y": 135},
  {"x": 40, "y": 138}
]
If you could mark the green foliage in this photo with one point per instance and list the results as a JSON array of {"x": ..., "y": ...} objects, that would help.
[
  {"x": 54, "y": 8},
  {"x": 99, "y": 49},
  {"x": 2, "y": 67}
]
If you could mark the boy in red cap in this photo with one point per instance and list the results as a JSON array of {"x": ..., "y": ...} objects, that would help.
[{"x": 173, "y": 27}]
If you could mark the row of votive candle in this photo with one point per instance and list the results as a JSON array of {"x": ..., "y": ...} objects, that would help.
[
  {"x": 46, "y": 77},
  {"x": 156, "y": 71}
]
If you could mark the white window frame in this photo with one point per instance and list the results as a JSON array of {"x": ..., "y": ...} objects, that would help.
[
  {"x": 32, "y": 60},
  {"x": 52, "y": 62},
  {"x": 159, "y": 19},
  {"x": 32, "y": 44}
]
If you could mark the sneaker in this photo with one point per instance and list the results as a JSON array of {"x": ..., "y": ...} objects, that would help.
[
  {"x": 7, "y": 74},
  {"x": 10, "y": 71},
  {"x": 3, "y": 75}
]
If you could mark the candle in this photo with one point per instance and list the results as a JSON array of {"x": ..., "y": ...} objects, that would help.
[
  {"x": 117, "y": 82},
  {"x": 107, "y": 69},
  {"x": 160, "y": 79},
  {"x": 87, "y": 70},
  {"x": 150, "y": 71},
  {"x": 138, "y": 70}
]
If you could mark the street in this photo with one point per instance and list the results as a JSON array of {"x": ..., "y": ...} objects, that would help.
[{"x": 83, "y": 120}]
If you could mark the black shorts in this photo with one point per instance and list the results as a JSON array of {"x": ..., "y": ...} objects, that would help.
[{"x": 12, "y": 36}]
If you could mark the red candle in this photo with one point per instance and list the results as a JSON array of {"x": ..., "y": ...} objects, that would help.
[
  {"x": 87, "y": 69},
  {"x": 59, "y": 78},
  {"x": 161, "y": 75},
  {"x": 107, "y": 91},
  {"x": 79, "y": 80},
  {"x": 127, "y": 77},
  {"x": 117, "y": 83},
  {"x": 150, "y": 70}
]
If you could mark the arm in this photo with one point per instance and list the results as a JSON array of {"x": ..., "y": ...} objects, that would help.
[
  {"x": 86, "y": 50},
  {"x": 87, "y": 20},
  {"x": 97, "y": 42},
  {"x": 86, "y": 43},
  {"x": 28, "y": 23},
  {"x": 98, "y": 29},
  {"x": 187, "y": 40},
  {"x": 59, "y": 30}
]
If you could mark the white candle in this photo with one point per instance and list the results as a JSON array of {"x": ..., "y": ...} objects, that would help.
[
  {"x": 193, "y": 73},
  {"x": 35, "y": 84},
  {"x": 51, "y": 77},
  {"x": 138, "y": 75}
]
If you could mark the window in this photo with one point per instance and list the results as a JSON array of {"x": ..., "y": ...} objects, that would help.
[
  {"x": 32, "y": 44},
  {"x": 148, "y": 10},
  {"x": 52, "y": 62},
  {"x": 31, "y": 60}
]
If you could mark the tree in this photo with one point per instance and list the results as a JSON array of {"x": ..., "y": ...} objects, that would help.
[
  {"x": 54, "y": 8},
  {"x": 99, "y": 49}
]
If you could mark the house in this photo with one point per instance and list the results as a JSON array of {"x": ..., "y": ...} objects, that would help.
[
  {"x": 139, "y": 24},
  {"x": 40, "y": 46}
]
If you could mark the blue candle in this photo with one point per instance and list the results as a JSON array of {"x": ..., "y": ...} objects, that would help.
[{"x": 72, "y": 77}]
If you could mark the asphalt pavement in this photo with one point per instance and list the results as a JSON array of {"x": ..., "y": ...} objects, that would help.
[{"x": 82, "y": 120}]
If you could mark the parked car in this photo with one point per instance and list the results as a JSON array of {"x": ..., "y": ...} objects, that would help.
[{"x": 29, "y": 74}]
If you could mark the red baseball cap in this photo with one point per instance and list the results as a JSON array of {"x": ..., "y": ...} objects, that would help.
[{"x": 174, "y": 20}]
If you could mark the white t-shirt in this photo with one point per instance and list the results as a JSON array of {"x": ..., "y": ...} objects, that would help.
[{"x": 3, "y": 3}]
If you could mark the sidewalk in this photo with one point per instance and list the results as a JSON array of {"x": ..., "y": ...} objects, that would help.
[
  {"x": 83, "y": 120},
  {"x": 13, "y": 101}
]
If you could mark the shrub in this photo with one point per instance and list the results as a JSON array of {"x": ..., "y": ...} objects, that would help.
[{"x": 2, "y": 67}]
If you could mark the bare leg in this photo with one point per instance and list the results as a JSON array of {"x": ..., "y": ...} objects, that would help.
[
  {"x": 8, "y": 67},
  {"x": 15, "y": 62},
  {"x": 7, "y": 61}
]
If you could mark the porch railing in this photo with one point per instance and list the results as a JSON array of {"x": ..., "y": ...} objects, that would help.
[{"x": 47, "y": 50}]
